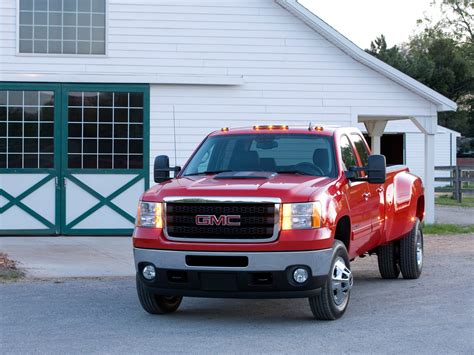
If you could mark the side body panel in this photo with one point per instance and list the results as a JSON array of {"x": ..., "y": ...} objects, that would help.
[{"x": 403, "y": 204}]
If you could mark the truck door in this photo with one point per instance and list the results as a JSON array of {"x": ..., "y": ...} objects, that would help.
[
  {"x": 376, "y": 203},
  {"x": 357, "y": 194}
]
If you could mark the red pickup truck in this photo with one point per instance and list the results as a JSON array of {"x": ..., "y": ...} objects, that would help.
[{"x": 275, "y": 212}]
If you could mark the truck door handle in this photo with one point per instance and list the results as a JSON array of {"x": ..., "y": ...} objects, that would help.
[
  {"x": 380, "y": 189},
  {"x": 366, "y": 195}
]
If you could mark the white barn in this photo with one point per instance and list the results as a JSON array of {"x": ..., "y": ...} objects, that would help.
[{"x": 92, "y": 90}]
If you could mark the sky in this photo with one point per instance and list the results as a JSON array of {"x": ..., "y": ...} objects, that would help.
[{"x": 363, "y": 20}]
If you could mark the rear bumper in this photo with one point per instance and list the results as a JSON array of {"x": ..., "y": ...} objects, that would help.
[{"x": 265, "y": 274}]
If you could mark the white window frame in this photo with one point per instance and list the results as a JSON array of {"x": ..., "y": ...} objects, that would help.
[{"x": 61, "y": 55}]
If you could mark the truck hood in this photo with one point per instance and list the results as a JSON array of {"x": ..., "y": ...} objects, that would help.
[{"x": 287, "y": 187}]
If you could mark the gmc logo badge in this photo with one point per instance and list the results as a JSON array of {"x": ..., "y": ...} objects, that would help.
[{"x": 222, "y": 220}]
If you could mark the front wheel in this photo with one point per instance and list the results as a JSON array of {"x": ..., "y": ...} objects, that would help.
[
  {"x": 332, "y": 301},
  {"x": 156, "y": 304}
]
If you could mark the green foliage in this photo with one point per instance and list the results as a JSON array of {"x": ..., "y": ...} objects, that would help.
[
  {"x": 440, "y": 56},
  {"x": 458, "y": 19},
  {"x": 449, "y": 201},
  {"x": 447, "y": 229}
]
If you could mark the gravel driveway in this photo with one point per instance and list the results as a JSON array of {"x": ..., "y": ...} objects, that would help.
[{"x": 431, "y": 315}]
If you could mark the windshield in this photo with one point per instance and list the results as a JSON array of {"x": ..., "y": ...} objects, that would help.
[{"x": 305, "y": 154}]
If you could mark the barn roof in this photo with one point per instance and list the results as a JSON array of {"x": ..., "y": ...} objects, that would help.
[{"x": 348, "y": 47}]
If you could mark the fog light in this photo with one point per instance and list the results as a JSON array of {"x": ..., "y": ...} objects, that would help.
[
  {"x": 149, "y": 272},
  {"x": 300, "y": 275}
]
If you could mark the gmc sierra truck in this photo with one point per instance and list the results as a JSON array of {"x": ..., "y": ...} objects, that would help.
[{"x": 275, "y": 212}]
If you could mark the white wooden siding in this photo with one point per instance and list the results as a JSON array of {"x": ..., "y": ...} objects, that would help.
[
  {"x": 416, "y": 153},
  {"x": 291, "y": 74}
]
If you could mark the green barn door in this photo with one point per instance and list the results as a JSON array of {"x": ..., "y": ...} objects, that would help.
[
  {"x": 73, "y": 158},
  {"x": 29, "y": 159},
  {"x": 105, "y": 157}
]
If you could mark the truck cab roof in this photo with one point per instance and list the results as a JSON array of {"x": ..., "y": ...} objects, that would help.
[{"x": 326, "y": 130}]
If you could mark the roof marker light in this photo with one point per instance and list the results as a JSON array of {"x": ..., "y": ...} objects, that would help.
[
  {"x": 225, "y": 129},
  {"x": 318, "y": 128},
  {"x": 270, "y": 127}
]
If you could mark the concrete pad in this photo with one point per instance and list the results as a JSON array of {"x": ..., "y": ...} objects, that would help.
[{"x": 58, "y": 257}]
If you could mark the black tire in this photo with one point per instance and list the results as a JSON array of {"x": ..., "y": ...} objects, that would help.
[
  {"x": 387, "y": 256},
  {"x": 156, "y": 304},
  {"x": 411, "y": 262},
  {"x": 323, "y": 305}
]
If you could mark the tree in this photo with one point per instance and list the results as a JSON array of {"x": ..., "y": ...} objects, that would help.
[
  {"x": 440, "y": 56},
  {"x": 457, "y": 20}
]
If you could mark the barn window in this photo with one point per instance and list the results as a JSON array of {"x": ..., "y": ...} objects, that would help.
[
  {"x": 62, "y": 26},
  {"x": 26, "y": 129},
  {"x": 105, "y": 130}
]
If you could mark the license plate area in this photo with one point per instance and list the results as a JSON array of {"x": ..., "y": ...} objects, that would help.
[{"x": 218, "y": 281}]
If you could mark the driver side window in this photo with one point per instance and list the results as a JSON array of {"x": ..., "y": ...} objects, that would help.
[{"x": 347, "y": 153}]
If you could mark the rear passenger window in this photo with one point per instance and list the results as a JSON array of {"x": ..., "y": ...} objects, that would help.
[
  {"x": 347, "y": 154},
  {"x": 361, "y": 148}
]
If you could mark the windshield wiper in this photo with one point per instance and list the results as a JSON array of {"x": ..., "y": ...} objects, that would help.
[
  {"x": 210, "y": 172},
  {"x": 293, "y": 172}
]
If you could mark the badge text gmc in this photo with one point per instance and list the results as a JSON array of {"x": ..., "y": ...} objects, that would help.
[{"x": 275, "y": 212}]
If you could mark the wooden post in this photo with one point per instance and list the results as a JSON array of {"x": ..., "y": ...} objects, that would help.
[
  {"x": 428, "y": 125},
  {"x": 429, "y": 176},
  {"x": 453, "y": 181},
  {"x": 457, "y": 184}
]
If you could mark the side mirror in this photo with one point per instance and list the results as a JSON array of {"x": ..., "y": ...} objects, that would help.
[
  {"x": 376, "y": 169},
  {"x": 161, "y": 169}
]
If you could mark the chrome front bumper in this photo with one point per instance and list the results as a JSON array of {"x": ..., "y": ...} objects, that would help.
[{"x": 318, "y": 261}]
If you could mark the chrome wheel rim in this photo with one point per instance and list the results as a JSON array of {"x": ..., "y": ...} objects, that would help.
[
  {"x": 341, "y": 281},
  {"x": 419, "y": 249}
]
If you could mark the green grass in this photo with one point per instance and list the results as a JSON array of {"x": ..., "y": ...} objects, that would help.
[
  {"x": 9, "y": 275},
  {"x": 8, "y": 270},
  {"x": 449, "y": 201},
  {"x": 447, "y": 229}
]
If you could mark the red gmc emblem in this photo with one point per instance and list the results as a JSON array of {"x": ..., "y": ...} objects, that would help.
[{"x": 222, "y": 220}]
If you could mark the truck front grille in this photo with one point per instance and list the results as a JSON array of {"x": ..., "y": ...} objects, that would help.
[{"x": 207, "y": 221}]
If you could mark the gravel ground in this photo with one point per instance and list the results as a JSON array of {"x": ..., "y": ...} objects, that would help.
[
  {"x": 454, "y": 215},
  {"x": 433, "y": 314}
]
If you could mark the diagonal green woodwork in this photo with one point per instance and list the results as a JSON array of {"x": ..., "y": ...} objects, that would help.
[
  {"x": 103, "y": 201},
  {"x": 16, "y": 201},
  {"x": 60, "y": 170}
]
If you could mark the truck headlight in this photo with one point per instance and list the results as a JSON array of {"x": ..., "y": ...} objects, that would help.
[
  {"x": 301, "y": 215},
  {"x": 150, "y": 214}
]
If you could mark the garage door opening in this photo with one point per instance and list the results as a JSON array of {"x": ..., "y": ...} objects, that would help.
[{"x": 392, "y": 146}]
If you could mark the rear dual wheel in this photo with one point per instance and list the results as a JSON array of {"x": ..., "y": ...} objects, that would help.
[
  {"x": 387, "y": 256},
  {"x": 411, "y": 253},
  {"x": 405, "y": 255}
]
